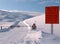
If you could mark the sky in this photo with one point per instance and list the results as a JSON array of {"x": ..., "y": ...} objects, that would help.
[{"x": 28, "y": 5}]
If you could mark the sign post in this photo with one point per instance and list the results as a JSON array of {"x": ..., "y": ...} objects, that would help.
[
  {"x": 52, "y": 16},
  {"x": 51, "y": 28}
]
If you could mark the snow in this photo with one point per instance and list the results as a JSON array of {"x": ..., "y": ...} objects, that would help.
[
  {"x": 33, "y": 35},
  {"x": 6, "y": 24},
  {"x": 6, "y": 16},
  {"x": 25, "y": 35},
  {"x": 40, "y": 22},
  {"x": 13, "y": 36},
  {"x": 46, "y": 28}
]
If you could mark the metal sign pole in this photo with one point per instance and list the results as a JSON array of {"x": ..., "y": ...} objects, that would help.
[{"x": 51, "y": 29}]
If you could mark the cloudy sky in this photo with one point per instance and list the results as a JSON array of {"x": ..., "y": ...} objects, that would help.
[{"x": 28, "y": 5}]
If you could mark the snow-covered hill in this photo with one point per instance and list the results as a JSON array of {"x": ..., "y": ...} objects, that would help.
[
  {"x": 46, "y": 29},
  {"x": 40, "y": 22},
  {"x": 13, "y": 15},
  {"x": 16, "y": 35},
  {"x": 13, "y": 35},
  {"x": 7, "y": 16}
]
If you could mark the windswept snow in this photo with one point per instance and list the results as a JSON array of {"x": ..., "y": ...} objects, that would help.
[
  {"x": 18, "y": 35},
  {"x": 32, "y": 36},
  {"x": 46, "y": 29},
  {"x": 40, "y": 22},
  {"x": 14, "y": 36}
]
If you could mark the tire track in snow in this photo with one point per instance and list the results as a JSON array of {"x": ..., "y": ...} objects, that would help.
[{"x": 27, "y": 25}]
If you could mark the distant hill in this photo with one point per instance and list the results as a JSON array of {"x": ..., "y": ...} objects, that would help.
[{"x": 7, "y": 16}]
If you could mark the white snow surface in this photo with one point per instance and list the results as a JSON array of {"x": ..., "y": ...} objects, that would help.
[
  {"x": 14, "y": 36},
  {"x": 40, "y": 22},
  {"x": 17, "y": 35}
]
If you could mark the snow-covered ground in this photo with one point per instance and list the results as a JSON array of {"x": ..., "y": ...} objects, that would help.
[
  {"x": 46, "y": 29},
  {"x": 6, "y": 24},
  {"x": 40, "y": 22},
  {"x": 17, "y": 35},
  {"x": 14, "y": 36}
]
